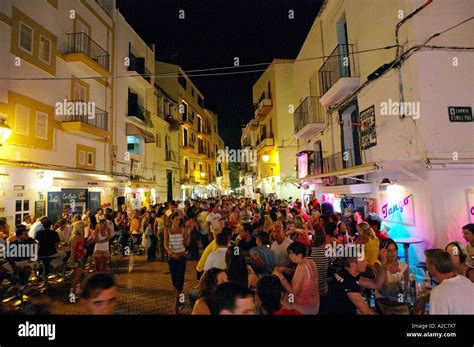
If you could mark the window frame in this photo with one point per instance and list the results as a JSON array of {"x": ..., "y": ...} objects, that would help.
[
  {"x": 90, "y": 155},
  {"x": 46, "y": 126},
  {"x": 83, "y": 162},
  {"x": 50, "y": 50},
  {"x": 32, "y": 37}
]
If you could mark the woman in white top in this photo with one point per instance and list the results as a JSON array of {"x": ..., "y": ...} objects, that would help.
[
  {"x": 102, "y": 236},
  {"x": 176, "y": 241},
  {"x": 387, "y": 297}
]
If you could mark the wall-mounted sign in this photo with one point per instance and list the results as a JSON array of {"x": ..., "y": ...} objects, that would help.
[
  {"x": 470, "y": 204},
  {"x": 303, "y": 165},
  {"x": 460, "y": 113},
  {"x": 368, "y": 135},
  {"x": 78, "y": 195},
  {"x": 399, "y": 210}
]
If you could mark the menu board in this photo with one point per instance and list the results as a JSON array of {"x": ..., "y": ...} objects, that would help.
[{"x": 368, "y": 134}]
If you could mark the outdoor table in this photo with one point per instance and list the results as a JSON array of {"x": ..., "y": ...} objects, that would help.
[{"x": 406, "y": 244}]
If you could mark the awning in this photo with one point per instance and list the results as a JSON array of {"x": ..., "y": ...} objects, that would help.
[
  {"x": 349, "y": 172},
  {"x": 132, "y": 129}
]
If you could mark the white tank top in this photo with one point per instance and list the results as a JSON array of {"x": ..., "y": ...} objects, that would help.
[
  {"x": 176, "y": 243},
  {"x": 103, "y": 246}
]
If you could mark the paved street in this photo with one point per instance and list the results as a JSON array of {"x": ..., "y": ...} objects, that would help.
[{"x": 143, "y": 288}]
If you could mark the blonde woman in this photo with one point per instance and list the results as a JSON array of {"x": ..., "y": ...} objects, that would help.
[
  {"x": 78, "y": 258},
  {"x": 370, "y": 241}
]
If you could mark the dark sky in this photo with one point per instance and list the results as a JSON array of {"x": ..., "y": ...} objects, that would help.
[{"x": 212, "y": 34}]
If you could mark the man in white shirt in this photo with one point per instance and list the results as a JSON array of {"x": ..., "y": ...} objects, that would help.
[
  {"x": 217, "y": 258},
  {"x": 36, "y": 226},
  {"x": 28, "y": 220},
  {"x": 454, "y": 293},
  {"x": 280, "y": 245},
  {"x": 213, "y": 220}
]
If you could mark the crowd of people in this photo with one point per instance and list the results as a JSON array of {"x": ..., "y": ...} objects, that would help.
[{"x": 268, "y": 258}]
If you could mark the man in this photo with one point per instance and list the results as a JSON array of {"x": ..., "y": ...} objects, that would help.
[
  {"x": 270, "y": 295},
  {"x": 23, "y": 265},
  {"x": 213, "y": 220},
  {"x": 375, "y": 225},
  {"x": 454, "y": 293},
  {"x": 300, "y": 211},
  {"x": 344, "y": 294},
  {"x": 280, "y": 245},
  {"x": 217, "y": 258},
  {"x": 28, "y": 221},
  {"x": 203, "y": 226},
  {"x": 99, "y": 294},
  {"x": 468, "y": 233},
  {"x": 233, "y": 298},
  {"x": 48, "y": 243},
  {"x": 245, "y": 240},
  {"x": 36, "y": 226},
  {"x": 263, "y": 258}
]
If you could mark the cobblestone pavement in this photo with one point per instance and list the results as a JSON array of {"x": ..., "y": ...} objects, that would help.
[{"x": 143, "y": 288}]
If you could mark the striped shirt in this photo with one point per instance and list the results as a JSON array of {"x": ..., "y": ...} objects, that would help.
[
  {"x": 176, "y": 243},
  {"x": 322, "y": 261}
]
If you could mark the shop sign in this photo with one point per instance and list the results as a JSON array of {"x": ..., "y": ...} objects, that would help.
[
  {"x": 302, "y": 165},
  {"x": 470, "y": 204},
  {"x": 400, "y": 210},
  {"x": 368, "y": 134},
  {"x": 77, "y": 195}
]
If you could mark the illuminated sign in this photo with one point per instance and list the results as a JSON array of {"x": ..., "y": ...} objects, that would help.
[
  {"x": 470, "y": 204},
  {"x": 397, "y": 206},
  {"x": 303, "y": 165}
]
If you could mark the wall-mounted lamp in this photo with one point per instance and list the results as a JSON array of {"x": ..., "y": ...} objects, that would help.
[
  {"x": 265, "y": 158},
  {"x": 5, "y": 130},
  {"x": 386, "y": 182}
]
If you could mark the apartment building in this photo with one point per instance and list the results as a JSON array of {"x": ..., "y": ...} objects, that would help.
[{"x": 377, "y": 134}]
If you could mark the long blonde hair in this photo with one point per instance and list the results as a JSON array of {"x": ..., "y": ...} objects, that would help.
[
  {"x": 365, "y": 229},
  {"x": 78, "y": 229}
]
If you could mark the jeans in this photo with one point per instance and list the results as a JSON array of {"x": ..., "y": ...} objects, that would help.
[
  {"x": 152, "y": 249},
  {"x": 124, "y": 240},
  {"x": 193, "y": 246},
  {"x": 178, "y": 270}
]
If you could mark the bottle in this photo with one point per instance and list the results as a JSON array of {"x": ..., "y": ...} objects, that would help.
[{"x": 413, "y": 287}]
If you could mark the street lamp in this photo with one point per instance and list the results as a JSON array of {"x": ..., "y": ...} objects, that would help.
[
  {"x": 203, "y": 174},
  {"x": 5, "y": 130},
  {"x": 265, "y": 158}
]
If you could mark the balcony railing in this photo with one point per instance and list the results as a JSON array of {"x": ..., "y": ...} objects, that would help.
[
  {"x": 138, "y": 65},
  {"x": 81, "y": 43},
  {"x": 100, "y": 119},
  {"x": 171, "y": 156},
  {"x": 337, "y": 162},
  {"x": 309, "y": 111},
  {"x": 339, "y": 64}
]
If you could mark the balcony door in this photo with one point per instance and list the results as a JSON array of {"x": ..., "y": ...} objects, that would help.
[
  {"x": 341, "y": 28},
  {"x": 350, "y": 135},
  {"x": 82, "y": 42}
]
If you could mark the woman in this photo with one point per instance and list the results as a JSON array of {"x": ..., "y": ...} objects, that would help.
[
  {"x": 77, "y": 259},
  {"x": 387, "y": 298},
  {"x": 303, "y": 290},
  {"x": 237, "y": 269},
  {"x": 370, "y": 241},
  {"x": 153, "y": 237},
  {"x": 147, "y": 232},
  {"x": 64, "y": 231},
  {"x": 135, "y": 230},
  {"x": 102, "y": 236},
  {"x": 160, "y": 225},
  {"x": 233, "y": 217},
  {"x": 121, "y": 221},
  {"x": 299, "y": 233},
  {"x": 193, "y": 230},
  {"x": 458, "y": 256},
  {"x": 208, "y": 284},
  {"x": 176, "y": 241}
]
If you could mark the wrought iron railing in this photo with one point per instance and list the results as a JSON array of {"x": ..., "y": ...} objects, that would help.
[
  {"x": 82, "y": 43},
  {"x": 340, "y": 63},
  {"x": 309, "y": 111},
  {"x": 99, "y": 118}
]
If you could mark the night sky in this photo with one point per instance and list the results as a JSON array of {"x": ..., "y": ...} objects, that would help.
[{"x": 212, "y": 34}]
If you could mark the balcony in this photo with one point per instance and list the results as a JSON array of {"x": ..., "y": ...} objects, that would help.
[
  {"x": 138, "y": 71},
  {"x": 339, "y": 162},
  {"x": 202, "y": 151},
  {"x": 308, "y": 118},
  {"x": 171, "y": 156},
  {"x": 138, "y": 112},
  {"x": 188, "y": 119},
  {"x": 263, "y": 106},
  {"x": 338, "y": 76},
  {"x": 82, "y": 49},
  {"x": 94, "y": 126},
  {"x": 265, "y": 143}
]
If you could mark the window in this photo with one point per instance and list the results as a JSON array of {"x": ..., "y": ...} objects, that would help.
[
  {"x": 82, "y": 158},
  {"x": 45, "y": 49},
  {"x": 135, "y": 144},
  {"x": 185, "y": 137},
  {"x": 199, "y": 125},
  {"x": 194, "y": 164},
  {"x": 41, "y": 125},
  {"x": 26, "y": 38},
  {"x": 184, "y": 111},
  {"x": 192, "y": 91},
  {"x": 22, "y": 209},
  {"x": 200, "y": 167},
  {"x": 182, "y": 81},
  {"x": 158, "y": 140},
  {"x": 90, "y": 159},
  {"x": 22, "y": 119},
  {"x": 80, "y": 92},
  {"x": 200, "y": 101},
  {"x": 186, "y": 165}
]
